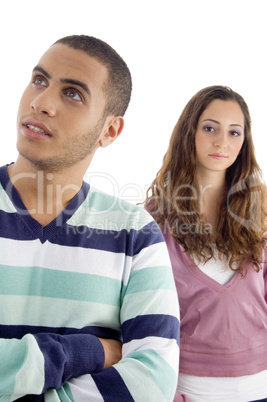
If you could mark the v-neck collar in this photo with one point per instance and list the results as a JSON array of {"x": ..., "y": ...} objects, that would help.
[
  {"x": 204, "y": 278},
  {"x": 43, "y": 233}
]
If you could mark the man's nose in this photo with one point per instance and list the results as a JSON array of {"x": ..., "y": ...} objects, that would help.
[{"x": 45, "y": 102}]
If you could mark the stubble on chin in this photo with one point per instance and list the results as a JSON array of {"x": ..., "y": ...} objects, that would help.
[{"x": 72, "y": 151}]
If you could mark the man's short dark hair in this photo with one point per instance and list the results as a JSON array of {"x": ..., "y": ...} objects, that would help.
[{"x": 120, "y": 83}]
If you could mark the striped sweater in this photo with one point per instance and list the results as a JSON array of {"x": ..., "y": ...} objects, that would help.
[{"x": 100, "y": 269}]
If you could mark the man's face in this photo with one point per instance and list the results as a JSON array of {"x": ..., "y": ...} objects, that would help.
[{"x": 60, "y": 117}]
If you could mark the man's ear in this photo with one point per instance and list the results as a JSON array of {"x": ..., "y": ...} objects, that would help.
[{"x": 113, "y": 127}]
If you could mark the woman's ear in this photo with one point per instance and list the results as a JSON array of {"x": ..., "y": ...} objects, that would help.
[{"x": 113, "y": 127}]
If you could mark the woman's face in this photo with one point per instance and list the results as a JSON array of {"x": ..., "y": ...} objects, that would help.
[{"x": 219, "y": 135}]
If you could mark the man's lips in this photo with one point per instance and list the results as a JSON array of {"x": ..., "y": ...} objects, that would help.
[
  {"x": 35, "y": 129},
  {"x": 218, "y": 156}
]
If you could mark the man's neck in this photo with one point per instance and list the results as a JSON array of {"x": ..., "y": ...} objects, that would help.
[{"x": 45, "y": 194}]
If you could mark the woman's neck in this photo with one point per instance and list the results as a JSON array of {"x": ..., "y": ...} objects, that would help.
[
  {"x": 211, "y": 190},
  {"x": 213, "y": 180}
]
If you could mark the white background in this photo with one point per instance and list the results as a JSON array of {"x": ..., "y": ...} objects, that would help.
[{"x": 172, "y": 47}]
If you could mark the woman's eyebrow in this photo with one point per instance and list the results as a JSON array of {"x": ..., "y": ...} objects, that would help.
[
  {"x": 214, "y": 121},
  {"x": 217, "y": 122}
]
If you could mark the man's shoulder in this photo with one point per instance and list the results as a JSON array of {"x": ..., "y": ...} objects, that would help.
[
  {"x": 113, "y": 211},
  {"x": 104, "y": 201}
]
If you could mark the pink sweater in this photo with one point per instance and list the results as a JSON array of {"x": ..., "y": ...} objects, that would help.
[{"x": 223, "y": 327}]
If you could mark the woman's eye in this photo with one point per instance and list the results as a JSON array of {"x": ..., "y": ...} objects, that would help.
[
  {"x": 235, "y": 133},
  {"x": 73, "y": 94},
  {"x": 208, "y": 128}
]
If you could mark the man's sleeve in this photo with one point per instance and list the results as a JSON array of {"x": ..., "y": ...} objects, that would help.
[{"x": 35, "y": 363}]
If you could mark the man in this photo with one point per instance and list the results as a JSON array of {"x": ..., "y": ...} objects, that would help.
[{"x": 82, "y": 273}]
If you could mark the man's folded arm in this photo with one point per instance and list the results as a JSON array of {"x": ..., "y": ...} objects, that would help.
[{"x": 35, "y": 363}]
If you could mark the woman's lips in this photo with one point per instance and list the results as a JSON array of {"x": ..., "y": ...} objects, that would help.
[{"x": 218, "y": 156}]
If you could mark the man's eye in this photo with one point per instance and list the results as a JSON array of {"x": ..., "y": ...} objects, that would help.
[
  {"x": 38, "y": 80},
  {"x": 73, "y": 94}
]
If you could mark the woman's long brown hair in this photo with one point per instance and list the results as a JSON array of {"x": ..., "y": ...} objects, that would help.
[{"x": 172, "y": 196}]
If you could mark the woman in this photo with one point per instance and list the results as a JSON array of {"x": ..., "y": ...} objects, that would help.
[{"x": 209, "y": 199}]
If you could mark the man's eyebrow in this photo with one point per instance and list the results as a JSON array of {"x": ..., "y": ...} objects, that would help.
[
  {"x": 77, "y": 83},
  {"x": 42, "y": 70},
  {"x": 64, "y": 80}
]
